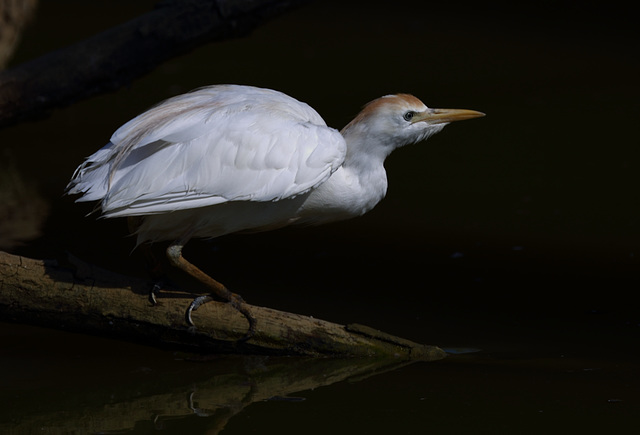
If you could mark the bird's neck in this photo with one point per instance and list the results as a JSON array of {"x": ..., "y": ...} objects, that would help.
[
  {"x": 366, "y": 150},
  {"x": 355, "y": 188}
]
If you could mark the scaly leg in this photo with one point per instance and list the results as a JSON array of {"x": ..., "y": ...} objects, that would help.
[
  {"x": 153, "y": 266},
  {"x": 174, "y": 253}
]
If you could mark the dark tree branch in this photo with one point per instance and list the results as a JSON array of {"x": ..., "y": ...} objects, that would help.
[
  {"x": 117, "y": 56},
  {"x": 95, "y": 301}
]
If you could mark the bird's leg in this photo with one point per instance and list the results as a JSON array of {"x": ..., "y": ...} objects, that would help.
[
  {"x": 153, "y": 266},
  {"x": 154, "y": 269},
  {"x": 174, "y": 253}
]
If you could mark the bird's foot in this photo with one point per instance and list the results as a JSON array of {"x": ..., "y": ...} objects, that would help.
[
  {"x": 153, "y": 292},
  {"x": 236, "y": 302},
  {"x": 194, "y": 305}
]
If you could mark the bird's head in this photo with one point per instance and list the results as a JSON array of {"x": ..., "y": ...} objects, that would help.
[{"x": 392, "y": 121}]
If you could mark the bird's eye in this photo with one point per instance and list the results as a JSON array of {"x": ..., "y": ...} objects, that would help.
[{"x": 408, "y": 116}]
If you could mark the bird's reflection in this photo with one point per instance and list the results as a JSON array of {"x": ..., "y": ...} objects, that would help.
[{"x": 232, "y": 385}]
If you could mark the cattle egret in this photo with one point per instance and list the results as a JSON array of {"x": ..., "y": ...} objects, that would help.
[{"x": 231, "y": 158}]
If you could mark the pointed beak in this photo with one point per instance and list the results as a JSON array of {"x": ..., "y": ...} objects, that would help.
[{"x": 442, "y": 116}]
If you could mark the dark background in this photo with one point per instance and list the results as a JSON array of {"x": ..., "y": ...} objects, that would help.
[
  {"x": 517, "y": 232},
  {"x": 532, "y": 208}
]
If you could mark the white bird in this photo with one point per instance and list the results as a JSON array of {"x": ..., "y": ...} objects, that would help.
[{"x": 231, "y": 158}]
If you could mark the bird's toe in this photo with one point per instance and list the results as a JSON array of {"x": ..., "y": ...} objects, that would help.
[{"x": 194, "y": 305}]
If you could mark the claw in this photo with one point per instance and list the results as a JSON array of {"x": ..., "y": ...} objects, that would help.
[
  {"x": 252, "y": 323},
  {"x": 219, "y": 291},
  {"x": 194, "y": 305},
  {"x": 237, "y": 304},
  {"x": 152, "y": 293}
]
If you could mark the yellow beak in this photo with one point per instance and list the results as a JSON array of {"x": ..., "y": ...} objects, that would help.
[{"x": 441, "y": 116}]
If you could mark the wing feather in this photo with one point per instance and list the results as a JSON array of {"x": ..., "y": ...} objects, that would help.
[{"x": 218, "y": 144}]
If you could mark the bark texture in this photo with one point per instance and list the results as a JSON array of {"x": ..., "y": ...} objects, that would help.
[{"x": 96, "y": 301}]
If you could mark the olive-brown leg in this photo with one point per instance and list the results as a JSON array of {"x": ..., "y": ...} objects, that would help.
[{"x": 174, "y": 253}]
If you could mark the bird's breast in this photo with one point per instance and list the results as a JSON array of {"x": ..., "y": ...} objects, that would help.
[{"x": 346, "y": 194}]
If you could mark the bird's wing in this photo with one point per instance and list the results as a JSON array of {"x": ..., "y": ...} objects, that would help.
[{"x": 214, "y": 145}]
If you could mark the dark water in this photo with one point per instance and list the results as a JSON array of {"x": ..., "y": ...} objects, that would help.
[{"x": 516, "y": 235}]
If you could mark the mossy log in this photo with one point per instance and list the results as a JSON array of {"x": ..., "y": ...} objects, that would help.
[{"x": 95, "y": 301}]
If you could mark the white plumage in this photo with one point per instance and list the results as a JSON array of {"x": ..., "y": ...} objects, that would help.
[
  {"x": 229, "y": 158},
  {"x": 218, "y": 144},
  {"x": 233, "y": 158}
]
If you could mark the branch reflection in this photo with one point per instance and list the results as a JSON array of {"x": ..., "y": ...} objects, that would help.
[{"x": 213, "y": 392}]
